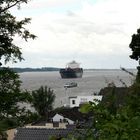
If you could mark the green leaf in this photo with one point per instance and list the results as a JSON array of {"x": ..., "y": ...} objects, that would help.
[{"x": 85, "y": 108}]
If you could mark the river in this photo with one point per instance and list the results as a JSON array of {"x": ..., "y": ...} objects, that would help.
[{"x": 91, "y": 82}]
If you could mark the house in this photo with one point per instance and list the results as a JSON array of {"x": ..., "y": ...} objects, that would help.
[
  {"x": 60, "y": 118},
  {"x": 72, "y": 117},
  {"x": 76, "y": 101},
  {"x": 72, "y": 114},
  {"x": 64, "y": 122}
]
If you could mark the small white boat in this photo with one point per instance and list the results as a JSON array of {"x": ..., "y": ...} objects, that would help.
[{"x": 70, "y": 85}]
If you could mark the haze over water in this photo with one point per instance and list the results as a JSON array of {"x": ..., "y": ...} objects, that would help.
[{"x": 91, "y": 82}]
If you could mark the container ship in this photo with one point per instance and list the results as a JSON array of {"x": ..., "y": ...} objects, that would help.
[{"x": 72, "y": 70}]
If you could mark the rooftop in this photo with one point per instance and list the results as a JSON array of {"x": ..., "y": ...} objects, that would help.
[{"x": 45, "y": 134}]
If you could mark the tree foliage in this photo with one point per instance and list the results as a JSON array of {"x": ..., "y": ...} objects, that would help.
[
  {"x": 9, "y": 92},
  {"x": 9, "y": 27},
  {"x": 42, "y": 100},
  {"x": 121, "y": 124},
  {"x": 11, "y": 114},
  {"x": 135, "y": 46}
]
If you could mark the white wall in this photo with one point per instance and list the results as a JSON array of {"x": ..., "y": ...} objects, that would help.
[{"x": 83, "y": 99}]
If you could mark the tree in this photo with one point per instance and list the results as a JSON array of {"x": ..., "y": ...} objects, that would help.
[
  {"x": 11, "y": 96},
  {"x": 135, "y": 47},
  {"x": 9, "y": 27},
  {"x": 123, "y": 124},
  {"x": 11, "y": 114},
  {"x": 9, "y": 92},
  {"x": 42, "y": 100}
]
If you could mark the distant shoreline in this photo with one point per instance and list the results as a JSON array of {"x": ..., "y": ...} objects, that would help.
[
  {"x": 50, "y": 69},
  {"x": 44, "y": 69}
]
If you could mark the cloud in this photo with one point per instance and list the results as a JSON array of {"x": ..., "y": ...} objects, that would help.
[
  {"x": 102, "y": 29},
  {"x": 48, "y": 4}
]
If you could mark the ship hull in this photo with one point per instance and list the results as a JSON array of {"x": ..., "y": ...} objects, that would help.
[{"x": 71, "y": 73}]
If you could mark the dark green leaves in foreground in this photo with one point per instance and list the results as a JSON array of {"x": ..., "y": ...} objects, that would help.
[
  {"x": 122, "y": 124},
  {"x": 12, "y": 113},
  {"x": 11, "y": 96}
]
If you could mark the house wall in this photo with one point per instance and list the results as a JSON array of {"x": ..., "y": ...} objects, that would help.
[
  {"x": 11, "y": 134},
  {"x": 77, "y": 100},
  {"x": 60, "y": 125}
]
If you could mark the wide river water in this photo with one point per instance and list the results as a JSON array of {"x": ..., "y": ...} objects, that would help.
[{"x": 91, "y": 82}]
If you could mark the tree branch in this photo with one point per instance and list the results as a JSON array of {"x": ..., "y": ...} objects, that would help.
[{"x": 9, "y": 6}]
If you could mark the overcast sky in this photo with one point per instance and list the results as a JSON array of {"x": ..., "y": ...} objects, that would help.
[{"x": 95, "y": 33}]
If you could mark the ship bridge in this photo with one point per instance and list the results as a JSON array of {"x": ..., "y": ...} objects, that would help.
[{"x": 73, "y": 65}]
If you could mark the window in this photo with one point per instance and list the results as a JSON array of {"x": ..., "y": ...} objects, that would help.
[{"x": 73, "y": 102}]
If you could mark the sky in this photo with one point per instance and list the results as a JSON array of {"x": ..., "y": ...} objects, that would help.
[{"x": 95, "y": 33}]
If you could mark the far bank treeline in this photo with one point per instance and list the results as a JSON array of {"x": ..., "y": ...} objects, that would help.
[{"x": 19, "y": 70}]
